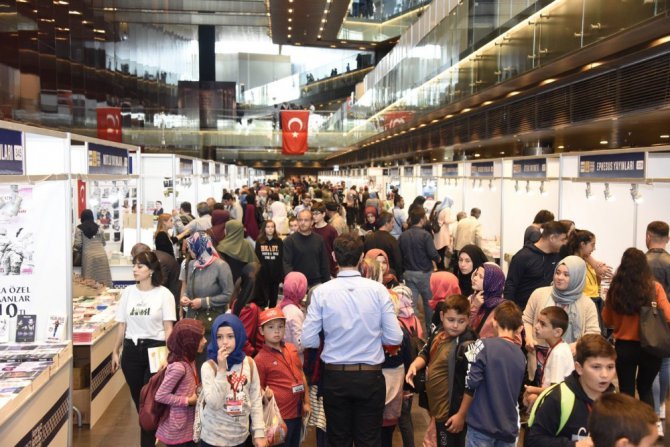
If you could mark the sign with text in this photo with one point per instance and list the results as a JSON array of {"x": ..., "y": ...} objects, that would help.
[
  {"x": 107, "y": 160},
  {"x": 11, "y": 152},
  {"x": 205, "y": 169},
  {"x": 217, "y": 169},
  {"x": 529, "y": 168},
  {"x": 426, "y": 170},
  {"x": 408, "y": 171},
  {"x": 482, "y": 169},
  {"x": 450, "y": 170},
  {"x": 394, "y": 172},
  {"x": 185, "y": 166},
  {"x": 623, "y": 165}
]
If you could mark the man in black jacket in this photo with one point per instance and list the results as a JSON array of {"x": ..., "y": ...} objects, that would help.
[
  {"x": 383, "y": 240},
  {"x": 305, "y": 252}
]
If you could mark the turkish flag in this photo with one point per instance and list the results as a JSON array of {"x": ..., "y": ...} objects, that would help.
[
  {"x": 81, "y": 196},
  {"x": 294, "y": 131},
  {"x": 109, "y": 123}
]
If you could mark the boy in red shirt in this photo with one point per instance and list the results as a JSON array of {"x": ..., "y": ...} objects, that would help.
[{"x": 280, "y": 372}]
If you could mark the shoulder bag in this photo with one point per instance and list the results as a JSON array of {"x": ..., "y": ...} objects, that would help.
[{"x": 654, "y": 330}]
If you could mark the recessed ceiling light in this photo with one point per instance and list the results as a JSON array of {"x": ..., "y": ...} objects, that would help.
[
  {"x": 323, "y": 20},
  {"x": 290, "y": 19},
  {"x": 561, "y": 147},
  {"x": 289, "y": 36},
  {"x": 665, "y": 136},
  {"x": 297, "y": 44},
  {"x": 487, "y": 103},
  {"x": 422, "y": 125},
  {"x": 343, "y": 41},
  {"x": 289, "y": 28},
  {"x": 290, "y": 10},
  {"x": 321, "y": 28},
  {"x": 361, "y": 48},
  {"x": 514, "y": 93},
  {"x": 604, "y": 141},
  {"x": 319, "y": 36},
  {"x": 333, "y": 46}
]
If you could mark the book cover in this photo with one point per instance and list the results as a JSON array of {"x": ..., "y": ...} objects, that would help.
[
  {"x": 56, "y": 328},
  {"x": 25, "y": 328},
  {"x": 4, "y": 329}
]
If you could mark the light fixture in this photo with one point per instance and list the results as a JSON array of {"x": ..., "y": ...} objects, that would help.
[
  {"x": 561, "y": 147},
  {"x": 480, "y": 184},
  {"x": 290, "y": 10},
  {"x": 665, "y": 135},
  {"x": 608, "y": 194},
  {"x": 527, "y": 186},
  {"x": 492, "y": 187},
  {"x": 603, "y": 141},
  {"x": 474, "y": 184},
  {"x": 516, "y": 186},
  {"x": 635, "y": 193},
  {"x": 543, "y": 191}
]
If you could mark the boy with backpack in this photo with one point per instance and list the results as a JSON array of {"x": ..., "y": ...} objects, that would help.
[
  {"x": 561, "y": 413},
  {"x": 444, "y": 355},
  {"x": 493, "y": 383}
]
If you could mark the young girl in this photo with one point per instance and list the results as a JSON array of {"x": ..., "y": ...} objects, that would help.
[
  {"x": 295, "y": 288},
  {"x": 269, "y": 248},
  {"x": 232, "y": 389},
  {"x": 179, "y": 387}
]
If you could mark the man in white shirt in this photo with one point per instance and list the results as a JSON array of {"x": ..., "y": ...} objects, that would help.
[
  {"x": 468, "y": 231},
  {"x": 233, "y": 206}
]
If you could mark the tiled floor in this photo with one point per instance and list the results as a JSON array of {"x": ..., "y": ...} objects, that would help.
[{"x": 119, "y": 427}]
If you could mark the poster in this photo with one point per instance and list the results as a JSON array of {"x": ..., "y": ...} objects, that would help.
[{"x": 16, "y": 236}]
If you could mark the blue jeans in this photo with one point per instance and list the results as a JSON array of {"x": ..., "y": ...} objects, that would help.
[
  {"x": 661, "y": 385},
  {"x": 476, "y": 438},
  {"x": 419, "y": 284}
]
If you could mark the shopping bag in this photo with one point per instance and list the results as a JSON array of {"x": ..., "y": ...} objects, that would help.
[{"x": 275, "y": 427}]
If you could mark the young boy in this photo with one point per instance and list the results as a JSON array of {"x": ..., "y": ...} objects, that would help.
[
  {"x": 493, "y": 383},
  {"x": 561, "y": 413},
  {"x": 444, "y": 354},
  {"x": 619, "y": 420},
  {"x": 280, "y": 372},
  {"x": 292, "y": 224},
  {"x": 550, "y": 326}
]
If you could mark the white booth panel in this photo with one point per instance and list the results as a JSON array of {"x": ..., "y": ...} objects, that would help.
[
  {"x": 488, "y": 200},
  {"x": 654, "y": 206},
  {"x": 408, "y": 188},
  {"x": 44, "y": 154},
  {"x": 78, "y": 159},
  {"x": 658, "y": 165}
]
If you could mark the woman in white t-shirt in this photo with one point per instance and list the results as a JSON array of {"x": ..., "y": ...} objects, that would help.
[{"x": 146, "y": 314}]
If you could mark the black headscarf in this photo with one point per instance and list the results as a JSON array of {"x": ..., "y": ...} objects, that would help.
[
  {"x": 88, "y": 225},
  {"x": 478, "y": 258}
]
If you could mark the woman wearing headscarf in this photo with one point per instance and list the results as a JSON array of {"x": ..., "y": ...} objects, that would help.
[
  {"x": 249, "y": 220},
  {"x": 370, "y": 222},
  {"x": 443, "y": 285},
  {"x": 90, "y": 242},
  {"x": 179, "y": 387},
  {"x": 231, "y": 389},
  {"x": 295, "y": 288},
  {"x": 488, "y": 282},
  {"x": 388, "y": 278},
  {"x": 235, "y": 249},
  {"x": 470, "y": 258},
  {"x": 566, "y": 291},
  {"x": 442, "y": 238},
  {"x": 218, "y": 230},
  {"x": 209, "y": 283}
]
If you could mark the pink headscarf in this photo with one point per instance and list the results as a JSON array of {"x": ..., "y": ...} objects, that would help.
[
  {"x": 295, "y": 288},
  {"x": 443, "y": 284}
]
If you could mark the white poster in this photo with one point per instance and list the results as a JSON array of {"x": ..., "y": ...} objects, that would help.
[{"x": 16, "y": 234}]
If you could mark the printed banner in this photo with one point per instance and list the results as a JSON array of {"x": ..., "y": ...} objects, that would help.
[
  {"x": 185, "y": 166},
  {"x": 107, "y": 160},
  {"x": 482, "y": 169},
  {"x": 11, "y": 152},
  {"x": 408, "y": 171},
  {"x": 450, "y": 170},
  {"x": 530, "y": 168},
  {"x": 400, "y": 118},
  {"x": 294, "y": 131},
  {"x": 16, "y": 235},
  {"x": 109, "y": 123},
  {"x": 623, "y": 165},
  {"x": 426, "y": 170}
]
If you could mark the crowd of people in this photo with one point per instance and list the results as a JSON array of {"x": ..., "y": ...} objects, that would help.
[{"x": 348, "y": 311}]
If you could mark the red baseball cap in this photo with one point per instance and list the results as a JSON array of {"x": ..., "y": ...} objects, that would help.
[{"x": 273, "y": 313}]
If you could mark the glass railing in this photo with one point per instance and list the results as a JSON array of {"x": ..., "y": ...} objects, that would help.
[
  {"x": 382, "y": 10},
  {"x": 377, "y": 28}
]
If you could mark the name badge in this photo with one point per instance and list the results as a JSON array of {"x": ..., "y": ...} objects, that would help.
[
  {"x": 298, "y": 388},
  {"x": 233, "y": 407}
]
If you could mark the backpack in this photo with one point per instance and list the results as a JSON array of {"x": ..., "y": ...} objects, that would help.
[
  {"x": 567, "y": 404},
  {"x": 434, "y": 223},
  {"x": 258, "y": 213},
  {"x": 152, "y": 412}
]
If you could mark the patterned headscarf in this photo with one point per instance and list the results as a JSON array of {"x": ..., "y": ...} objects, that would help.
[
  {"x": 388, "y": 276},
  {"x": 443, "y": 284},
  {"x": 232, "y": 321},
  {"x": 184, "y": 340},
  {"x": 494, "y": 283},
  {"x": 295, "y": 288},
  {"x": 405, "y": 297},
  {"x": 203, "y": 249}
]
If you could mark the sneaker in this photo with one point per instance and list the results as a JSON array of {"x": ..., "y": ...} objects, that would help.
[
  {"x": 659, "y": 425},
  {"x": 661, "y": 413}
]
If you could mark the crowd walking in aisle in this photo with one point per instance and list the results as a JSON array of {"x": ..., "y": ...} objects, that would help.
[{"x": 358, "y": 314}]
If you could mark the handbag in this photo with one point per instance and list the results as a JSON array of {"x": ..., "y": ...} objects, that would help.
[
  {"x": 199, "y": 408},
  {"x": 654, "y": 330},
  {"x": 275, "y": 427},
  {"x": 76, "y": 258}
]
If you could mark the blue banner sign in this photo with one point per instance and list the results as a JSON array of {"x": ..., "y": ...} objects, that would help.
[
  {"x": 623, "y": 165},
  {"x": 530, "y": 168},
  {"x": 394, "y": 172},
  {"x": 408, "y": 171},
  {"x": 450, "y": 170},
  {"x": 107, "y": 160},
  {"x": 185, "y": 166},
  {"x": 217, "y": 169},
  {"x": 385, "y": 172},
  {"x": 426, "y": 170},
  {"x": 11, "y": 152},
  {"x": 205, "y": 168},
  {"x": 482, "y": 169}
]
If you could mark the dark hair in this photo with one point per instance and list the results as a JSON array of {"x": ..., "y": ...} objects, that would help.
[
  {"x": 139, "y": 248},
  {"x": 543, "y": 216},
  {"x": 348, "y": 250},
  {"x": 150, "y": 259},
  {"x": 508, "y": 315},
  {"x": 658, "y": 229},
  {"x": 227, "y": 196},
  {"x": 292, "y": 219},
  {"x": 616, "y": 416},
  {"x": 86, "y": 216},
  {"x": 459, "y": 303},
  {"x": 384, "y": 218},
  {"x": 475, "y": 212},
  {"x": 218, "y": 206},
  {"x": 632, "y": 285},
  {"x": 577, "y": 238},
  {"x": 396, "y": 199},
  {"x": 251, "y": 198},
  {"x": 419, "y": 200},
  {"x": 186, "y": 206},
  {"x": 593, "y": 345},
  {"x": 415, "y": 215},
  {"x": 332, "y": 206},
  {"x": 557, "y": 317},
  {"x": 262, "y": 237},
  {"x": 553, "y": 228},
  {"x": 319, "y": 207}
]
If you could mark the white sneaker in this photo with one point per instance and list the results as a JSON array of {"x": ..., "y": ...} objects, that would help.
[
  {"x": 661, "y": 413},
  {"x": 659, "y": 425}
]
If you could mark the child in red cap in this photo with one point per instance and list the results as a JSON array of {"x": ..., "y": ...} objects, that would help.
[{"x": 280, "y": 372}]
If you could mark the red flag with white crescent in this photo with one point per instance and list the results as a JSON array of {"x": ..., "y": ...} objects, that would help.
[
  {"x": 294, "y": 125},
  {"x": 109, "y": 123}
]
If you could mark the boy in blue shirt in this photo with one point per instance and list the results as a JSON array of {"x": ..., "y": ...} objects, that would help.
[{"x": 493, "y": 384}]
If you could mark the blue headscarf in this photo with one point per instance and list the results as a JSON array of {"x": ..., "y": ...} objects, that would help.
[
  {"x": 230, "y": 320},
  {"x": 448, "y": 202}
]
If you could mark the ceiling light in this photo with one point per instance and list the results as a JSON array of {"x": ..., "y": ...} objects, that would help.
[
  {"x": 665, "y": 136},
  {"x": 290, "y": 10},
  {"x": 289, "y": 28},
  {"x": 323, "y": 20},
  {"x": 290, "y": 19},
  {"x": 548, "y": 81},
  {"x": 333, "y": 46},
  {"x": 343, "y": 41},
  {"x": 514, "y": 93},
  {"x": 608, "y": 194},
  {"x": 477, "y": 155},
  {"x": 635, "y": 193},
  {"x": 434, "y": 121},
  {"x": 589, "y": 193},
  {"x": 604, "y": 141},
  {"x": 448, "y": 116},
  {"x": 487, "y": 103},
  {"x": 422, "y": 125},
  {"x": 361, "y": 48},
  {"x": 321, "y": 28},
  {"x": 466, "y": 110},
  {"x": 74, "y": 12},
  {"x": 561, "y": 147},
  {"x": 288, "y": 35},
  {"x": 502, "y": 153},
  {"x": 319, "y": 36}
]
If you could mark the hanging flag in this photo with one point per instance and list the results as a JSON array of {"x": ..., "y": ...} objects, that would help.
[
  {"x": 294, "y": 125},
  {"x": 109, "y": 123}
]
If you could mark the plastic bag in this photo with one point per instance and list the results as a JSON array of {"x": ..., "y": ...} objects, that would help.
[{"x": 275, "y": 427}]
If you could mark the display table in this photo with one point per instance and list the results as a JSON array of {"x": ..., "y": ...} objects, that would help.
[
  {"x": 94, "y": 334},
  {"x": 37, "y": 413},
  {"x": 121, "y": 269}
]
